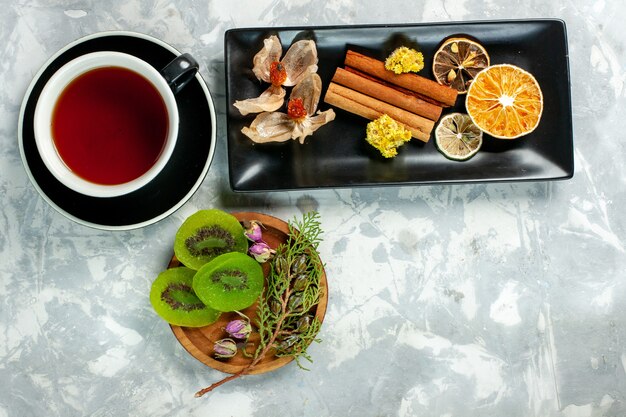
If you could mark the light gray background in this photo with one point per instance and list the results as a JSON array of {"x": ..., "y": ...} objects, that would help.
[{"x": 465, "y": 300}]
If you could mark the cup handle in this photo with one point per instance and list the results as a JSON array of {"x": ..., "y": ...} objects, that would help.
[{"x": 180, "y": 71}]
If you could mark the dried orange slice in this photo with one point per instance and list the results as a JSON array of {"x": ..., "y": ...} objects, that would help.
[
  {"x": 505, "y": 101},
  {"x": 457, "y": 61},
  {"x": 457, "y": 137}
]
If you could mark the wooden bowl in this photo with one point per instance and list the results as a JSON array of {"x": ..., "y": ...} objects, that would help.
[{"x": 198, "y": 341}]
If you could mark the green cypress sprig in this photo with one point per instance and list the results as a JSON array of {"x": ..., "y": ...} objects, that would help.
[{"x": 285, "y": 314}]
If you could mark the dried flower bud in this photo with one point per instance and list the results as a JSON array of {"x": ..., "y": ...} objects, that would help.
[
  {"x": 299, "y": 265},
  {"x": 261, "y": 251},
  {"x": 239, "y": 329},
  {"x": 300, "y": 282},
  {"x": 287, "y": 342},
  {"x": 253, "y": 231},
  {"x": 225, "y": 348},
  {"x": 275, "y": 307},
  {"x": 295, "y": 302},
  {"x": 281, "y": 264},
  {"x": 303, "y": 323}
]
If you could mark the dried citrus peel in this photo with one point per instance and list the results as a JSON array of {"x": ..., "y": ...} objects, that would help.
[
  {"x": 457, "y": 137},
  {"x": 457, "y": 61},
  {"x": 505, "y": 101}
]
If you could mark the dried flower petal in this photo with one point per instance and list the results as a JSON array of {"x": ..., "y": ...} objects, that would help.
[
  {"x": 269, "y": 101},
  {"x": 309, "y": 90},
  {"x": 299, "y": 61},
  {"x": 310, "y": 124},
  {"x": 270, "y": 127},
  {"x": 262, "y": 61}
]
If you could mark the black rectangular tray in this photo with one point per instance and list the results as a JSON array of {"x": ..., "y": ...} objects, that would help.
[{"x": 337, "y": 154}]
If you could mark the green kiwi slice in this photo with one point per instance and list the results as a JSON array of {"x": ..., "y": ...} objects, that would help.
[
  {"x": 230, "y": 282},
  {"x": 173, "y": 299},
  {"x": 207, "y": 234}
]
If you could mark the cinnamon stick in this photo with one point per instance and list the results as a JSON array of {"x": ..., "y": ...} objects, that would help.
[
  {"x": 371, "y": 108},
  {"x": 387, "y": 94},
  {"x": 395, "y": 87},
  {"x": 445, "y": 95}
]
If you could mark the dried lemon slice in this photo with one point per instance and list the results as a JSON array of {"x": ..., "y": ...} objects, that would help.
[
  {"x": 505, "y": 101},
  {"x": 457, "y": 61},
  {"x": 457, "y": 137}
]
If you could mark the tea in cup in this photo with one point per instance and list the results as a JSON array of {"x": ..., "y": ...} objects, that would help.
[{"x": 106, "y": 123}]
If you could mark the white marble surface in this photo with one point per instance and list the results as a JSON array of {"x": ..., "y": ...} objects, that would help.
[{"x": 464, "y": 300}]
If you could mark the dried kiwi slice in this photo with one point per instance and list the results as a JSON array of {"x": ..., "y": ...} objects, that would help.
[
  {"x": 173, "y": 299},
  {"x": 207, "y": 234},
  {"x": 230, "y": 282}
]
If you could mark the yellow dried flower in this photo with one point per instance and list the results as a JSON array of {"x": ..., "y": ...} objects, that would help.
[
  {"x": 405, "y": 59},
  {"x": 386, "y": 135}
]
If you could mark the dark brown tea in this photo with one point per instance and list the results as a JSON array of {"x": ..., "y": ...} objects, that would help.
[{"x": 110, "y": 125}]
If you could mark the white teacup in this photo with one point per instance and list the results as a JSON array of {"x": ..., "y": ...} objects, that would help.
[{"x": 170, "y": 80}]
